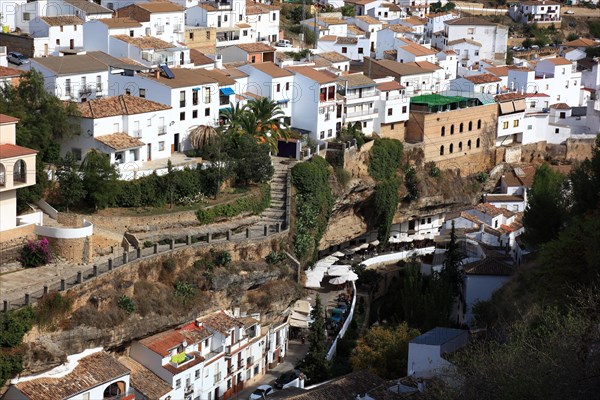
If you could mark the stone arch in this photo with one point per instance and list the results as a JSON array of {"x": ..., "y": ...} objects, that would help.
[{"x": 20, "y": 172}]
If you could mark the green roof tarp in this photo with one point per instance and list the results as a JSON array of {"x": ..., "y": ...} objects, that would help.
[{"x": 432, "y": 100}]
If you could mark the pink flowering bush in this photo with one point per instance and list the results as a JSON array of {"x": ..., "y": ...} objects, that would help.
[{"x": 35, "y": 253}]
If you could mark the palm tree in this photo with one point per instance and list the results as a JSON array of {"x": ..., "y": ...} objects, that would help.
[
  {"x": 202, "y": 136},
  {"x": 231, "y": 116},
  {"x": 268, "y": 115}
]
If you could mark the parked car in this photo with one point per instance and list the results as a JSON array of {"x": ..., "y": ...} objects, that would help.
[
  {"x": 261, "y": 392},
  {"x": 286, "y": 378},
  {"x": 569, "y": 12},
  {"x": 283, "y": 43},
  {"x": 17, "y": 58}
]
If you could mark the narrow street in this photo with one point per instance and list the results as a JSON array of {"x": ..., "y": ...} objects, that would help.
[{"x": 296, "y": 351}]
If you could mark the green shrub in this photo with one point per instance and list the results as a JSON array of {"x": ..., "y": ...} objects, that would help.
[
  {"x": 222, "y": 258},
  {"x": 433, "y": 170},
  {"x": 148, "y": 244},
  {"x": 126, "y": 304},
  {"x": 412, "y": 184},
  {"x": 275, "y": 257},
  {"x": 385, "y": 158},
  {"x": 386, "y": 203},
  {"x": 14, "y": 325},
  {"x": 169, "y": 264},
  {"x": 183, "y": 289},
  {"x": 255, "y": 204},
  {"x": 343, "y": 177}
]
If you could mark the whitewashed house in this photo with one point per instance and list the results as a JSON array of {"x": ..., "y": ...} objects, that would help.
[
  {"x": 541, "y": 12},
  {"x": 353, "y": 47},
  {"x": 363, "y": 7},
  {"x": 448, "y": 60},
  {"x": 360, "y": 98},
  {"x": 317, "y": 97},
  {"x": 264, "y": 21},
  {"x": 332, "y": 59},
  {"x": 194, "y": 95},
  {"x": 229, "y": 19},
  {"x": 58, "y": 36},
  {"x": 481, "y": 83},
  {"x": 481, "y": 279},
  {"x": 473, "y": 39},
  {"x": 417, "y": 27},
  {"x": 511, "y": 121},
  {"x": 149, "y": 51},
  {"x": 130, "y": 129},
  {"x": 435, "y": 22},
  {"x": 162, "y": 20},
  {"x": 371, "y": 26},
  {"x": 76, "y": 78},
  {"x": 575, "y": 49},
  {"x": 393, "y": 106},
  {"x": 97, "y": 33},
  {"x": 425, "y": 352},
  {"x": 409, "y": 51},
  {"x": 17, "y": 170},
  {"x": 417, "y": 8},
  {"x": 387, "y": 37},
  {"x": 387, "y": 12},
  {"x": 275, "y": 83},
  {"x": 92, "y": 374}
]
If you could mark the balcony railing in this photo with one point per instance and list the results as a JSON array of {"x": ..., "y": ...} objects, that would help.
[
  {"x": 177, "y": 361},
  {"x": 362, "y": 113},
  {"x": 177, "y": 28},
  {"x": 159, "y": 29},
  {"x": 162, "y": 130},
  {"x": 355, "y": 96},
  {"x": 86, "y": 91},
  {"x": 137, "y": 133}
]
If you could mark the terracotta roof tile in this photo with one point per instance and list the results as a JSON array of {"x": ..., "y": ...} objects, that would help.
[
  {"x": 221, "y": 322},
  {"x": 162, "y": 343},
  {"x": 120, "y": 141},
  {"x": 464, "y": 40},
  {"x": 272, "y": 70},
  {"x": 198, "y": 58},
  {"x": 522, "y": 177},
  {"x": 391, "y": 85},
  {"x": 5, "y": 119},
  {"x": 62, "y": 20},
  {"x": 145, "y": 381},
  {"x": 391, "y": 6},
  {"x": 184, "y": 78},
  {"x": 414, "y": 21},
  {"x": 328, "y": 38},
  {"x": 581, "y": 42},
  {"x": 257, "y": 47},
  {"x": 8, "y": 71},
  {"x": 498, "y": 71},
  {"x": 368, "y": 19},
  {"x": 559, "y": 61},
  {"x": 116, "y": 23},
  {"x": 89, "y": 7},
  {"x": 483, "y": 78},
  {"x": 332, "y": 56},
  {"x": 255, "y": 8},
  {"x": 470, "y": 21},
  {"x": 160, "y": 6},
  {"x": 118, "y": 105},
  {"x": 346, "y": 40},
  {"x": 145, "y": 42},
  {"x": 90, "y": 372},
  {"x": 355, "y": 30},
  {"x": 320, "y": 77},
  {"x": 12, "y": 150},
  {"x": 489, "y": 266},
  {"x": 398, "y": 28},
  {"x": 488, "y": 209},
  {"x": 560, "y": 106},
  {"x": 357, "y": 80}
]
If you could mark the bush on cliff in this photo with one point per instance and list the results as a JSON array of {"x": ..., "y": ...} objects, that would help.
[{"x": 254, "y": 204}]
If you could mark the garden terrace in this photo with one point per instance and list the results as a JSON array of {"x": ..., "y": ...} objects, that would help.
[{"x": 432, "y": 103}]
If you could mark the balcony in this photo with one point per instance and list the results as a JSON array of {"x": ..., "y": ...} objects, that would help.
[
  {"x": 362, "y": 113},
  {"x": 162, "y": 130},
  {"x": 85, "y": 91},
  {"x": 189, "y": 390},
  {"x": 137, "y": 133},
  {"x": 177, "y": 28},
  {"x": 159, "y": 29}
]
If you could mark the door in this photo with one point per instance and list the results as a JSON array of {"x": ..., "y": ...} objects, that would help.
[
  {"x": 218, "y": 21},
  {"x": 45, "y": 49},
  {"x": 72, "y": 44},
  {"x": 175, "y": 146},
  {"x": 149, "y": 156}
]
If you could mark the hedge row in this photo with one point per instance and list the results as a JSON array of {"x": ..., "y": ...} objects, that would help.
[{"x": 255, "y": 204}]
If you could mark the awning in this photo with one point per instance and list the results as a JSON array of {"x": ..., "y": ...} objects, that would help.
[
  {"x": 227, "y": 91},
  {"x": 283, "y": 101},
  {"x": 197, "y": 88}
]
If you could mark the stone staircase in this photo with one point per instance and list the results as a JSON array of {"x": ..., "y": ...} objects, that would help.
[{"x": 276, "y": 211}]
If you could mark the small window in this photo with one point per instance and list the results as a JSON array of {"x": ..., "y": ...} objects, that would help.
[
  {"x": 360, "y": 50},
  {"x": 476, "y": 52},
  {"x": 451, "y": 148},
  {"x": 61, "y": 28},
  {"x": 391, "y": 127},
  {"x": 240, "y": 17},
  {"x": 182, "y": 116},
  {"x": 207, "y": 112},
  {"x": 469, "y": 144},
  {"x": 207, "y": 35},
  {"x": 197, "y": 374},
  {"x": 505, "y": 125},
  {"x": 556, "y": 130},
  {"x": 429, "y": 220},
  {"x": 459, "y": 146},
  {"x": 441, "y": 150},
  {"x": 322, "y": 135},
  {"x": 194, "y": 113},
  {"x": 244, "y": 33},
  {"x": 253, "y": 59},
  {"x": 177, "y": 383},
  {"x": 278, "y": 87},
  {"x": 58, "y": 42},
  {"x": 515, "y": 123},
  {"x": 461, "y": 127},
  {"x": 191, "y": 35},
  {"x": 127, "y": 91},
  {"x": 225, "y": 18},
  {"x": 478, "y": 143},
  {"x": 330, "y": 133},
  {"x": 470, "y": 125},
  {"x": 131, "y": 33},
  {"x": 344, "y": 50},
  {"x": 443, "y": 131},
  {"x": 274, "y": 16},
  {"x": 149, "y": 122},
  {"x": 26, "y": 16},
  {"x": 142, "y": 93},
  {"x": 390, "y": 111},
  {"x": 161, "y": 146},
  {"x": 478, "y": 125},
  {"x": 287, "y": 86},
  {"x": 452, "y": 130},
  {"x": 403, "y": 109},
  {"x": 76, "y": 153}
]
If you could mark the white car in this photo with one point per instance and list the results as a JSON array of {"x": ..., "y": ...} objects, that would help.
[
  {"x": 283, "y": 43},
  {"x": 569, "y": 12},
  {"x": 261, "y": 392}
]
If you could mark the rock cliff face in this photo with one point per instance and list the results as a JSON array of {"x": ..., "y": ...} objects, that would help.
[{"x": 353, "y": 212}]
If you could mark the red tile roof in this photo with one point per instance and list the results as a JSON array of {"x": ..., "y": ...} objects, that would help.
[
  {"x": 5, "y": 119},
  {"x": 483, "y": 78},
  {"x": 12, "y": 150},
  {"x": 559, "y": 61},
  {"x": 120, "y": 141},
  {"x": 162, "y": 343},
  {"x": 221, "y": 322},
  {"x": 391, "y": 85},
  {"x": 8, "y": 71},
  {"x": 118, "y": 105}
]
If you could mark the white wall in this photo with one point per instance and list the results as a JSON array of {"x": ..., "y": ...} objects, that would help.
[{"x": 480, "y": 288}]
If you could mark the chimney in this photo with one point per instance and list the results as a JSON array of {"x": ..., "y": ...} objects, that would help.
[
  {"x": 156, "y": 74},
  {"x": 218, "y": 61}
]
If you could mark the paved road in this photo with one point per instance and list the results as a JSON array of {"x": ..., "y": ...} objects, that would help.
[{"x": 296, "y": 352}]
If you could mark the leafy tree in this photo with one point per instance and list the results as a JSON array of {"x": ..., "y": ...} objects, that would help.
[
  {"x": 527, "y": 43},
  {"x": 412, "y": 184},
  {"x": 250, "y": 161},
  {"x": 99, "y": 179},
  {"x": 386, "y": 200},
  {"x": 546, "y": 212},
  {"x": 572, "y": 36},
  {"x": 315, "y": 365},
  {"x": 348, "y": 10},
  {"x": 510, "y": 59},
  {"x": 453, "y": 262},
  {"x": 309, "y": 35},
  {"x": 269, "y": 126},
  {"x": 353, "y": 131},
  {"x": 43, "y": 118},
  {"x": 126, "y": 304},
  {"x": 385, "y": 158},
  {"x": 232, "y": 116},
  {"x": 202, "y": 136},
  {"x": 297, "y": 14},
  {"x": 385, "y": 350},
  {"x": 585, "y": 182},
  {"x": 71, "y": 188}
]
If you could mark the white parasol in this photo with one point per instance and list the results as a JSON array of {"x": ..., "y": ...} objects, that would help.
[
  {"x": 375, "y": 243},
  {"x": 338, "y": 254},
  {"x": 351, "y": 277},
  {"x": 338, "y": 280}
]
